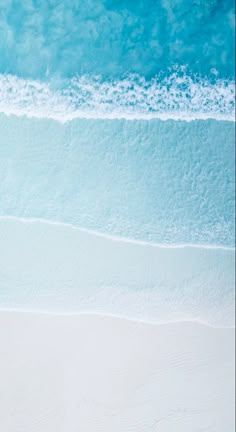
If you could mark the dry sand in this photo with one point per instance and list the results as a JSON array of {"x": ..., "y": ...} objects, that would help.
[{"x": 91, "y": 373}]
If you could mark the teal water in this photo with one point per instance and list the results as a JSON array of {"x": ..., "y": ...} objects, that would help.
[
  {"x": 112, "y": 38},
  {"x": 103, "y": 58},
  {"x": 117, "y": 118}
]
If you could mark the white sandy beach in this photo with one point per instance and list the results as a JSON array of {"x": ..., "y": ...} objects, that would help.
[{"x": 91, "y": 373}]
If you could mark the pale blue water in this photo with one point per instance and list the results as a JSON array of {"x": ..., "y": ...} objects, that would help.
[
  {"x": 159, "y": 181},
  {"x": 118, "y": 118}
]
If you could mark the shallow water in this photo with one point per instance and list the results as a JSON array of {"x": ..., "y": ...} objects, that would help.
[
  {"x": 164, "y": 182},
  {"x": 118, "y": 118},
  {"x": 56, "y": 268}
]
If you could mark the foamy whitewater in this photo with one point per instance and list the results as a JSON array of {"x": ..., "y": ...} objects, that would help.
[
  {"x": 116, "y": 158},
  {"x": 177, "y": 96}
]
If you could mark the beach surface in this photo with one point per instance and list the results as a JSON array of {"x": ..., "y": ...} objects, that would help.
[{"x": 70, "y": 373}]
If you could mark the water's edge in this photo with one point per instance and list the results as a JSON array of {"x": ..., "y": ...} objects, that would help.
[{"x": 54, "y": 268}]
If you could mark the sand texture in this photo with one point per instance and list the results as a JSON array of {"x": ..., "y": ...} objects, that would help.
[{"x": 91, "y": 373}]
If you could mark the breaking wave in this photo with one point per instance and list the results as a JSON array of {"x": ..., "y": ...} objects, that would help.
[{"x": 177, "y": 96}]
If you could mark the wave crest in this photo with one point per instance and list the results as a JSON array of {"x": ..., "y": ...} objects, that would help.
[{"x": 177, "y": 96}]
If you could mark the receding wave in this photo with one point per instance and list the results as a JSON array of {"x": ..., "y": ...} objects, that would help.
[
  {"x": 53, "y": 268},
  {"x": 114, "y": 238},
  {"x": 177, "y": 96}
]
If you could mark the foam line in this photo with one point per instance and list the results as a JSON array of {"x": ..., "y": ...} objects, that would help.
[
  {"x": 117, "y": 317},
  {"x": 119, "y": 238},
  {"x": 177, "y": 97}
]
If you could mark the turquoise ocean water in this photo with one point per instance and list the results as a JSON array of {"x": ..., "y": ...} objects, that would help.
[{"x": 117, "y": 123}]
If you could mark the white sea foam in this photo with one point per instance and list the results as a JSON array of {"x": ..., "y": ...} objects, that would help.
[{"x": 178, "y": 97}]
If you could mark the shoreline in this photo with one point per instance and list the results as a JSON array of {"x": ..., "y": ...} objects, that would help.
[
  {"x": 104, "y": 315},
  {"x": 53, "y": 268},
  {"x": 115, "y": 238}
]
